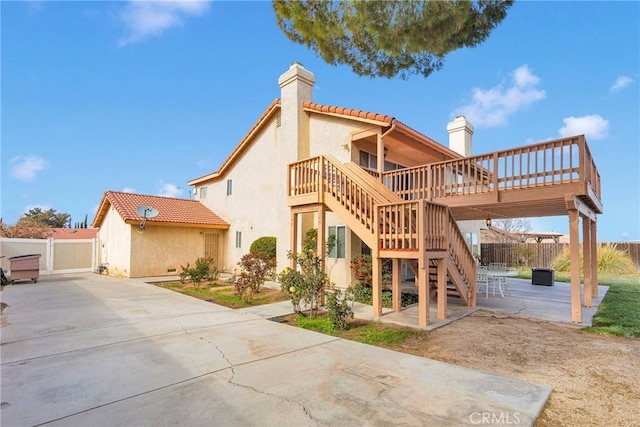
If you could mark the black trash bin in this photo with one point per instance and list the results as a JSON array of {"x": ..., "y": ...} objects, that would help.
[{"x": 542, "y": 276}]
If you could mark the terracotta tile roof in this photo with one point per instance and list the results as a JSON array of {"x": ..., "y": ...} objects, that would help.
[
  {"x": 74, "y": 233},
  {"x": 349, "y": 112},
  {"x": 380, "y": 119},
  {"x": 274, "y": 107},
  {"x": 171, "y": 211}
]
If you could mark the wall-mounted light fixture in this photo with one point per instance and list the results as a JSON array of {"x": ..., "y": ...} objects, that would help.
[
  {"x": 488, "y": 222},
  {"x": 386, "y": 151}
]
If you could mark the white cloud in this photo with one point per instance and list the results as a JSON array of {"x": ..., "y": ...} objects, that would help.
[
  {"x": 593, "y": 126},
  {"x": 129, "y": 190},
  {"x": 170, "y": 190},
  {"x": 620, "y": 83},
  {"x": 145, "y": 19},
  {"x": 25, "y": 168},
  {"x": 492, "y": 107}
]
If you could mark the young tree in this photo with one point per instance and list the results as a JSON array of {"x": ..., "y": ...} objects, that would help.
[{"x": 389, "y": 38}]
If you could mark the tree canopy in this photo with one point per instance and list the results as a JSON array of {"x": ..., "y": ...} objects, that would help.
[
  {"x": 46, "y": 218},
  {"x": 389, "y": 38}
]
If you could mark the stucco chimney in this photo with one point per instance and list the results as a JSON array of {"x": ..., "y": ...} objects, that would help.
[
  {"x": 296, "y": 87},
  {"x": 460, "y": 132}
]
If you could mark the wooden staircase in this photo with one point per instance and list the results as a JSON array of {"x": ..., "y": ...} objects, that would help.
[{"x": 393, "y": 227}]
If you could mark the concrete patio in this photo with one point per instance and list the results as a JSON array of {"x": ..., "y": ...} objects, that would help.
[
  {"x": 550, "y": 303},
  {"x": 87, "y": 350}
]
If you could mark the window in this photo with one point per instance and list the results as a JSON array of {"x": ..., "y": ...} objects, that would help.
[
  {"x": 472, "y": 241},
  {"x": 370, "y": 161},
  {"x": 203, "y": 193},
  {"x": 338, "y": 250},
  {"x": 238, "y": 239},
  {"x": 229, "y": 187}
]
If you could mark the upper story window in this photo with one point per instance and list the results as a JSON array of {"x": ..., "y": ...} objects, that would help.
[
  {"x": 370, "y": 161},
  {"x": 202, "y": 192},
  {"x": 229, "y": 187}
]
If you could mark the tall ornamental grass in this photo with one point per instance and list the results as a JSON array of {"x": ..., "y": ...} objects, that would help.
[{"x": 611, "y": 260}]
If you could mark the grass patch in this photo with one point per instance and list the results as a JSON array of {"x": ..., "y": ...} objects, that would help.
[
  {"x": 380, "y": 334},
  {"x": 221, "y": 293},
  {"x": 619, "y": 311},
  {"x": 373, "y": 333}
]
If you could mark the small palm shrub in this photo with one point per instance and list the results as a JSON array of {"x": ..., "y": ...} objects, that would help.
[{"x": 611, "y": 260}]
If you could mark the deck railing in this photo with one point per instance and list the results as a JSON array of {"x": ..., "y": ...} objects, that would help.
[
  {"x": 326, "y": 176},
  {"x": 555, "y": 162},
  {"x": 399, "y": 226}
]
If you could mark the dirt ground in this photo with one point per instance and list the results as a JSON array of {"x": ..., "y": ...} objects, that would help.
[{"x": 595, "y": 378}]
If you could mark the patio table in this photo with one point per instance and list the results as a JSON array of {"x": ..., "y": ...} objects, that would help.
[{"x": 499, "y": 277}]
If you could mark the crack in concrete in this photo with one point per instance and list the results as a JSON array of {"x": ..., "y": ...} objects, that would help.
[
  {"x": 523, "y": 306},
  {"x": 255, "y": 390}
]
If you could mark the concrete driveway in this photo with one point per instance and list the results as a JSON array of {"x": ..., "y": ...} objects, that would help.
[{"x": 89, "y": 350}]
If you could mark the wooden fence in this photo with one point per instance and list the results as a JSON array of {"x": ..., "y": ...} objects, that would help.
[{"x": 539, "y": 254}]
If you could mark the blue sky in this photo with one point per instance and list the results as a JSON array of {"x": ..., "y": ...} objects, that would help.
[{"x": 142, "y": 96}]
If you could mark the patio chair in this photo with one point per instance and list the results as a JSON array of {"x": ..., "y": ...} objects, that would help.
[
  {"x": 498, "y": 277},
  {"x": 482, "y": 280}
]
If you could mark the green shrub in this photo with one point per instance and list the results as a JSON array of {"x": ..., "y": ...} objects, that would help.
[
  {"x": 611, "y": 260},
  {"x": 362, "y": 268},
  {"x": 264, "y": 246},
  {"x": 364, "y": 295},
  {"x": 252, "y": 274},
  {"x": 339, "y": 308},
  {"x": 203, "y": 271}
]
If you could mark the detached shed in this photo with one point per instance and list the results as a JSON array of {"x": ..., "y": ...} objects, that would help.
[{"x": 147, "y": 236}]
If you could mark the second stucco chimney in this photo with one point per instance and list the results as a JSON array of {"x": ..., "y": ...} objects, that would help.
[
  {"x": 296, "y": 87},
  {"x": 460, "y": 132}
]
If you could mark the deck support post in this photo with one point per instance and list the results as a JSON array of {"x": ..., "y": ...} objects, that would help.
[
  {"x": 594, "y": 261},
  {"x": 321, "y": 249},
  {"x": 396, "y": 291},
  {"x": 423, "y": 291},
  {"x": 586, "y": 256},
  {"x": 442, "y": 288},
  {"x": 376, "y": 264},
  {"x": 294, "y": 239},
  {"x": 574, "y": 245}
]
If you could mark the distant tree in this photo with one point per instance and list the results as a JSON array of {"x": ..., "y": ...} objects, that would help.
[
  {"x": 86, "y": 218},
  {"x": 510, "y": 229},
  {"x": 47, "y": 218},
  {"x": 25, "y": 228},
  {"x": 389, "y": 38}
]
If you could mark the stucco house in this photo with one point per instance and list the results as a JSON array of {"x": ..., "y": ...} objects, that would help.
[
  {"x": 131, "y": 246},
  {"x": 380, "y": 187}
]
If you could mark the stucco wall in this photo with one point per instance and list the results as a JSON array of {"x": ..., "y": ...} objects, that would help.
[
  {"x": 257, "y": 206},
  {"x": 332, "y": 135},
  {"x": 114, "y": 242},
  {"x": 162, "y": 250}
]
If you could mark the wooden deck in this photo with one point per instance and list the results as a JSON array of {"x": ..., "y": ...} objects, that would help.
[
  {"x": 528, "y": 181},
  {"x": 411, "y": 213}
]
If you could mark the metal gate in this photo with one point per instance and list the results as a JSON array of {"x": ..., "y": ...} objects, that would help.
[{"x": 211, "y": 248}]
